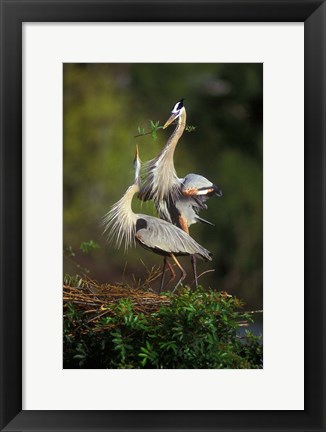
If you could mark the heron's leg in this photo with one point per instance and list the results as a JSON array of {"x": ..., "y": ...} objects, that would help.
[
  {"x": 194, "y": 267},
  {"x": 163, "y": 274},
  {"x": 172, "y": 277},
  {"x": 183, "y": 275},
  {"x": 171, "y": 270}
]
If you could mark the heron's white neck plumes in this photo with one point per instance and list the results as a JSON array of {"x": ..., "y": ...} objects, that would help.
[
  {"x": 120, "y": 221},
  {"x": 161, "y": 175}
]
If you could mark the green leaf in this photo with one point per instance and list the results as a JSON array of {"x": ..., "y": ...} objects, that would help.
[{"x": 86, "y": 247}]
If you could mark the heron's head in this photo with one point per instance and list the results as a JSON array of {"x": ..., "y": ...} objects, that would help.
[
  {"x": 175, "y": 113},
  {"x": 137, "y": 165}
]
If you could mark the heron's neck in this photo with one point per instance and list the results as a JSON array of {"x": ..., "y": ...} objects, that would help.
[
  {"x": 126, "y": 207},
  {"x": 164, "y": 163},
  {"x": 162, "y": 180},
  {"x": 168, "y": 150},
  {"x": 120, "y": 221}
]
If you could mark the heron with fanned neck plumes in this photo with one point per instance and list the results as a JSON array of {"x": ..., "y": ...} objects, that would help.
[
  {"x": 177, "y": 200},
  {"x": 157, "y": 235}
]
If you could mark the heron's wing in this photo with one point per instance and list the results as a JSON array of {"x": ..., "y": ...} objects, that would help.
[
  {"x": 160, "y": 235},
  {"x": 197, "y": 185},
  {"x": 196, "y": 180}
]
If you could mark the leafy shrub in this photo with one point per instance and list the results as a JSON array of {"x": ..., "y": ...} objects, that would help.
[{"x": 197, "y": 329}]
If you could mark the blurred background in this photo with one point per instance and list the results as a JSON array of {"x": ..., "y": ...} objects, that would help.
[{"x": 104, "y": 104}]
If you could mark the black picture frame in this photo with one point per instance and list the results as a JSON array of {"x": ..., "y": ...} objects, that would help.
[{"x": 13, "y": 14}]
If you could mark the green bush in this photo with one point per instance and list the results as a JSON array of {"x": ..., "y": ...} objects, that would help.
[{"x": 197, "y": 329}]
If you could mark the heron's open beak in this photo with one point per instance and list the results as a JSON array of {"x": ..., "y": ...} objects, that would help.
[
  {"x": 137, "y": 153},
  {"x": 170, "y": 120}
]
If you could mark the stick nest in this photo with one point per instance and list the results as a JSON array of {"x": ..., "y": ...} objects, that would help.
[{"x": 96, "y": 301}]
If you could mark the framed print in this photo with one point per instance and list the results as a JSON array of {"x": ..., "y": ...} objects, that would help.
[{"x": 56, "y": 56}]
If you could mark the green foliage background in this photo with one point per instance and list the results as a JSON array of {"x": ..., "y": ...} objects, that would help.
[{"x": 103, "y": 106}]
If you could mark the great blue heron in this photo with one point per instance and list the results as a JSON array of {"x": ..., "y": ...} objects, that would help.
[
  {"x": 155, "y": 234},
  {"x": 177, "y": 200}
]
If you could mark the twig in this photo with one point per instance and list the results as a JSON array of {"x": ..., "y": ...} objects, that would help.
[
  {"x": 201, "y": 274},
  {"x": 255, "y": 311}
]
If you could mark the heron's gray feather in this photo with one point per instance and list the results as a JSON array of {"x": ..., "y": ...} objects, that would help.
[
  {"x": 168, "y": 238},
  {"x": 199, "y": 219},
  {"x": 195, "y": 181}
]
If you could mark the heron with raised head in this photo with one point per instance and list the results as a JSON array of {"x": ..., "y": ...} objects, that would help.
[
  {"x": 157, "y": 235},
  {"x": 177, "y": 200}
]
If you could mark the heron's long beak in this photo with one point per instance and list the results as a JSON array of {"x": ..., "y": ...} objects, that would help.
[
  {"x": 170, "y": 120},
  {"x": 137, "y": 165}
]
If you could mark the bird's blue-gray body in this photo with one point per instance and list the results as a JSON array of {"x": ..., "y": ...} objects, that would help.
[{"x": 165, "y": 239}]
